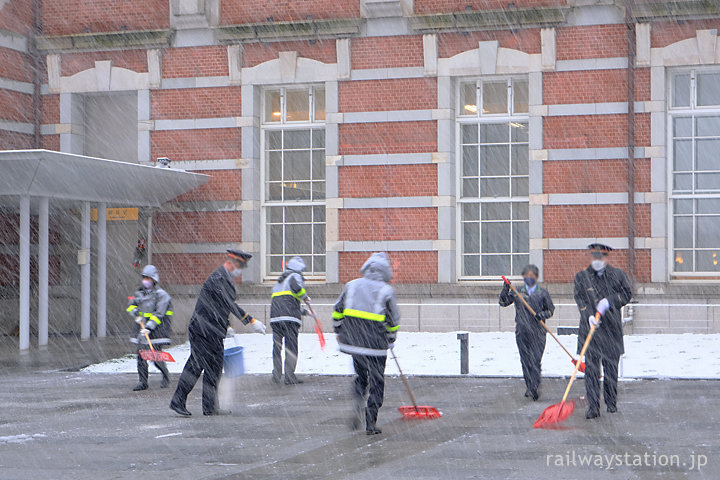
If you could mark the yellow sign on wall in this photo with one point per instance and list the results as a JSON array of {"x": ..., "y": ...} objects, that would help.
[{"x": 117, "y": 214}]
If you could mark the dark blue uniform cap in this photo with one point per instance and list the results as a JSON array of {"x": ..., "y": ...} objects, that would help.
[
  {"x": 599, "y": 248},
  {"x": 239, "y": 255}
]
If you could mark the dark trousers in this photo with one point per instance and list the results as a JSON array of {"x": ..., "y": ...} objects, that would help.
[
  {"x": 531, "y": 347},
  {"x": 593, "y": 360},
  {"x": 142, "y": 365},
  {"x": 370, "y": 375},
  {"x": 206, "y": 357},
  {"x": 289, "y": 331}
]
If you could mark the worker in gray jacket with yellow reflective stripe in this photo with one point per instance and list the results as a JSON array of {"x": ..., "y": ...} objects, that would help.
[
  {"x": 286, "y": 313},
  {"x": 366, "y": 320},
  {"x": 152, "y": 308}
]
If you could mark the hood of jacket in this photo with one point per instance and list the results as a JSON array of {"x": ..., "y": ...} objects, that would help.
[
  {"x": 296, "y": 264},
  {"x": 377, "y": 268}
]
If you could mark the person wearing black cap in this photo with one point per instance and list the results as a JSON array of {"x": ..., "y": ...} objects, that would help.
[
  {"x": 604, "y": 289},
  {"x": 529, "y": 333},
  {"x": 208, "y": 327}
]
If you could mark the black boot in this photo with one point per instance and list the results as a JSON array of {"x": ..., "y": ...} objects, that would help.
[
  {"x": 370, "y": 421},
  {"x": 592, "y": 413},
  {"x": 357, "y": 415},
  {"x": 292, "y": 380},
  {"x": 140, "y": 386},
  {"x": 142, "y": 369},
  {"x": 612, "y": 408},
  {"x": 180, "y": 410},
  {"x": 165, "y": 374}
]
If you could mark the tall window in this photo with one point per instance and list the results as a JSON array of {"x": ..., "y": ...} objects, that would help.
[
  {"x": 493, "y": 187},
  {"x": 294, "y": 178},
  {"x": 695, "y": 195}
]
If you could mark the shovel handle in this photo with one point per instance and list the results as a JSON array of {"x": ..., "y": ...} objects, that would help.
[
  {"x": 312, "y": 312},
  {"x": 582, "y": 354},
  {"x": 142, "y": 326},
  {"x": 407, "y": 385}
]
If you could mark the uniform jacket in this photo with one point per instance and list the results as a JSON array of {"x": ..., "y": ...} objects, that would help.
[
  {"x": 288, "y": 293},
  {"x": 540, "y": 301},
  {"x": 154, "y": 306},
  {"x": 366, "y": 316},
  {"x": 214, "y": 305},
  {"x": 590, "y": 288}
]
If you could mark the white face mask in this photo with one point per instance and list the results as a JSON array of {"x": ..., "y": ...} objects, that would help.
[
  {"x": 148, "y": 284},
  {"x": 236, "y": 273},
  {"x": 598, "y": 265}
]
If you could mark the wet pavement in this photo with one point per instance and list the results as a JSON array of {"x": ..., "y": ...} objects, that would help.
[{"x": 57, "y": 423}]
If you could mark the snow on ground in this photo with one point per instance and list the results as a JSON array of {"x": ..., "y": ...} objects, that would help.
[{"x": 491, "y": 354}]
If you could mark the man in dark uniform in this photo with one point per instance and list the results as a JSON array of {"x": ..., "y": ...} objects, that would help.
[
  {"x": 208, "y": 327},
  {"x": 529, "y": 333},
  {"x": 604, "y": 289}
]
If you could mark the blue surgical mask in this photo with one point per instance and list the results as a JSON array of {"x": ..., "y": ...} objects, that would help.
[{"x": 529, "y": 282}]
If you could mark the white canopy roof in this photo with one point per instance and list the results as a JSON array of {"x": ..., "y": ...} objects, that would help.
[{"x": 65, "y": 176}]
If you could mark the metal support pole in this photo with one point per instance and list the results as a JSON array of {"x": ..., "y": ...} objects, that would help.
[
  {"x": 102, "y": 270},
  {"x": 84, "y": 261},
  {"x": 630, "y": 23},
  {"x": 464, "y": 353},
  {"x": 149, "y": 241},
  {"x": 24, "y": 334},
  {"x": 43, "y": 267}
]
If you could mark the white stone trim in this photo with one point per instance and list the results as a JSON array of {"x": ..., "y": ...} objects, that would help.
[
  {"x": 614, "y": 242},
  {"x": 489, "y": 59},
  {"x": 205, "y": 247},
  {"x": 15, "y": 86},
  {"x": 104, "y": 78},
  {"x": 222, "y": 164},
  {"x": 430, "y": 54},
  {"x": 13, "y": 41},
  {"x": 382, "y": 159},
  {"x": 610, "y": 63},
  {"x": 344, "y": 65},
  {"x": 17, "y": 127},
  {"x": 548, "y": 53},
  {"x": 289, "y": 68},
  {"x": 235, "y": 60}
]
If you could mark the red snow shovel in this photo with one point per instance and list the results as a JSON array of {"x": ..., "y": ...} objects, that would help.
[
  {"x": 572, "y": 359},
  {"x": 553, "y": 415},
  {"x": 414, "y": 411},
  {"x": 153, "y": 355},
  {"x": 318, "y": 328}
]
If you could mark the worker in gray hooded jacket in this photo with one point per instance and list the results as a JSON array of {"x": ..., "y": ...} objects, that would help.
[
  {"x": 152, "y": 308},
  {"x": 366, "y": 320},
  {"x": 286, "y": 313}
]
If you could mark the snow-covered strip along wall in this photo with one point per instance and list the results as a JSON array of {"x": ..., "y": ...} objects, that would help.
[{"x": 466, "y": 139}]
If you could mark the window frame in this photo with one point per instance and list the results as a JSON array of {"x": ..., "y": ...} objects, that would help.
[
  {"x": 692, "y": 111},
  {"x": 265, "y": 204},
  {"x": 478, "y": 119}
]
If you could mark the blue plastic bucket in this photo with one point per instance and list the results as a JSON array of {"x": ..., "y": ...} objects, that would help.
[{"x": 233, "y": 362}]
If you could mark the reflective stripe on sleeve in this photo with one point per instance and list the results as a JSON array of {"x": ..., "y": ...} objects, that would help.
[
  {"x": 153, "y": 318},
  {"x": 131, "y": 308},
  {"x": 337, "y": 315}
]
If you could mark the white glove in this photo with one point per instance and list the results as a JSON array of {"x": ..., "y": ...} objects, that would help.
[
  {"x": 258, "y": 326},
  {"x": 593, "y": 322},
  {"x": 391, "y": 346},
  {"x": 144, "y": 331},
  {"x": 603, "y": 306},
  {"x": 230, "y": 332},
  {"x": 139, "y": 320},
  {"x": 308, "y": 299}
]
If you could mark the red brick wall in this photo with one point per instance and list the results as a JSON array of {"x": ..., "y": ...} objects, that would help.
[
  {"x": 186, "y": 268},
  {"x": 211, "y": 61},
  {"x": 50, "y": 106},
  {"x": 135, "y": 60},
  {"x": 444, "y": 6},
  {"x": 10, "y": 270},
  {"x": 257, "y": 53},
  {"x": 594, "y": 131},
  {"x": 202, "y": 144},
  {"x": 380, "y": 95},
  {"x": 388, "y": 181},
  {"x": 578, "y": 221},
  {"x": 15, "y": 65},
  {"x": 450, "y": 44},
  {"x": 408, "y": 267},
  {"x": 50, "y": 142},
  {"x": 10, "y": 228},
  {"x": 64, "y": 17},
  {"x": 194, "y": 227},
  {"x": 195, "y": 103},
  {"x": 592, "y": 41},
  {"x": 16, "y": 106},
  {"x": 15, "y": 141},
  {"x": 663, "y": 34},
  {"x": 560, "y": 266},
  {"x": 235, "y": 12},
  {"x": 375, "y": 224},
  {"x": 386, "y": 52},
  {"x": 593, "y": 86},
  {"x": 391, "y": 137},
  {"x": 222, "y": 185},
  {"x": 594, "y": 176},
  {"x": 17, "y": 16}
]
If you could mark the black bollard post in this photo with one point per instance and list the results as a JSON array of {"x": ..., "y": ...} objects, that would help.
[{"x": 464, "y": 353}]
